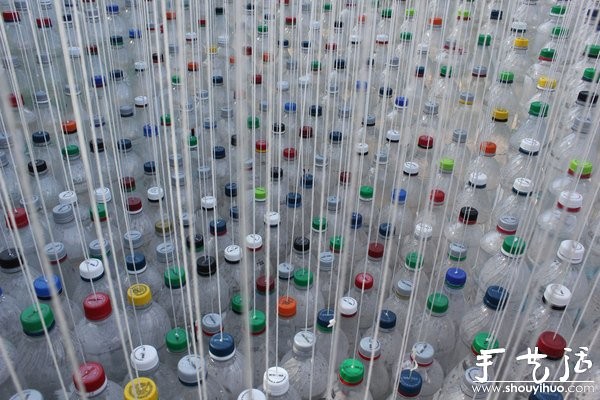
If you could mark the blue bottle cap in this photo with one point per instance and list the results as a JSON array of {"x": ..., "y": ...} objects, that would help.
[
  {"x": 335, "y": 137},
  {"x": 112, "y": 9},
  {"x": 231, "y": 189},
  {"x": 219, "y": 152},
  {"x": 150, "y": 130},
  {"x": 456, "y": 277},
  {"x": 539, "y": 395},
  {"x": 209, "y": 124},
  {"x": 386, "y": 230},
  {"x": 356, "y": 220},
  {"x": 323, "y": 317},
  {"x": 135, "y": 263},
  {"x": 124, "y": 144},
  {"x": 410, "y": 383},
  {"x": 217, "y": 227},
  {"x": 289, "y": 106},
  {"x": 150, "y": 167},
  {"x": 399, "y": 196},
  {"x": 294, "y": 200},
  {"x": 41, "y": 286},
  {"x": 387, "y": 319},
  {"x": 98, "y": 81},
  {"x": 221, "y": 345},
  {"x": 217, "y": 80},
  {"x": 495, "y": 297},
  {"x": 307, "y": 181},
  {"x": 135, "y": 33},
  {"x": 40, "y": 137},
  {"x": 234, "y": 212},
  {"x": 401, "y": 102}
]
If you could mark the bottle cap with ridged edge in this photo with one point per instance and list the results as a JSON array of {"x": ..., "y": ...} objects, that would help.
[
  {"x": 410, "y": 383},
  {"x": 191, "y": 370},
  {"x": 176, "y": 340},
  {"x": 348, "y": 306},
  {"x": 135, "y": 263},
  {"x": 276, "y": 381},
  {"x": 91, "y": 269},
  {"x": 63, "y": 213},
  {"x": 95, "y": 247},
  {"x": 571, "y": 251},
  {"x": 258, "y": 322},
  {"x": 42, "y": 286},
  {"x": 334, "y": 203},
  {"x": 522, "y": 186},
  {"x": 55, "y": 252},
  {"x": 495, "y": 297},
  {"x": 413, "y": 261},
  {"x": 484, "y": 341},
  {"x": 513, "y": 245},
  {"x": 369, "y": 348},
  {"x": 557, "y": 296},
  {"x": 336, "y": 243},
  {"x": 92, "y": 377},
  {"x": 133, "y": 239},
  {"x": 319, "y": 224},
  {"x": 478, "y": 180},
  {"x": 571, "y": 201},
  {"x": 551, "y": 344},
  {"x": 539, "y": 109},
  {"x": 206, "y": 265},
  {"x": 144, "y": 358},
  {"x": 139, "y": 295},
  {"x": 33, "y": 322},
  {"x": 174, "y": 277},
  {"x": 211, "y": 323},
  {"x": 303, "y": 278},
  {"x": 232, "y": 254},
  {"x": 252, "y": 394},
  {"x": 221, "y": 346},
  {"x": 254, "y": 242},
  {"x": 351, "y": 371},
  {"x": 437, "y": 303},
  {"x": 455, "y": 278},
  {"x": 97, "y": 306}
]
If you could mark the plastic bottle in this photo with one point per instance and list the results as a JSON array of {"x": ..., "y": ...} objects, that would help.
[
  {"x": 194, "y": 380},
  {"x": 478, "y": 195},
  {"x": 486, "y": 163},
  {"x": 421, "y": 359},
  {"x": 138, "y": 271},
  {"x": 552, "y": 345},
  {"x": 177, "y": 346},
  {"x": 212, "y": 285},
  {"x": 302, "y": 365},
  {"x": 13, "y": 277},
  {"x": 533, "y": 127},
  {"x": 276, "y": 384},
  {"x": 457, "y": 293},
  {"x": 389, "y": 337},
  {"x": 287, "y": 325},
  {"x": 325, "y": 337},
  {"x": 516, "y": 203},
  {"x": 46, "y": 288},
  {"x": 491, "y": 241},
  {"x": 150, "y": 320},
  {"x": 225, "y": 364},
  {"x": 409, "y": 386},
  {"x": 38, "y": 321},
  {"x": 524, "y": 164},
  {"x": 145, "y": 363},
  {"x": 369, "y": 350},
  {"x": 466, "y": 390},
  {"x": 466, "y": 231},
  {"x": 350, "y": 384},
  {"x": 365, "y": 291}
]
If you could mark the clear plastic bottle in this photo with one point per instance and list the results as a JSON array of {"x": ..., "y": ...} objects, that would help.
[
  {"x": 523, "y": 164},
  {"x": 12, "y": 275},
  {"x": 216, "y": 292},
  {"x": 502, "y": 96},
  {"x": 484, "y": 317},
  {"x": 548, "y": 343},
  {"x": 365, "y": 291},
  {"x": 466, "y": 231},
  {"x": 194, "y": 381},
  {"x": 456, "y": 291},
  {"x": 470, "y": 387},
  {"x": 145, "y": 363},
  {"x": 177, "y": 346},
  {"x": 226, "y": 365},
  {"x": 325, "y": 337},
  {"x": 95, "y": 383},
  {"x": 307, "y": 295},
  {"x": 150, "y": 322},
  {"x": 486, "y": 163},
  {"x": 276, "y": 385},
  {"x": 251, "y": 394},
  {"x": 436, "y": 328},
  {"x": 409, "y": 386},
  {"x": 172, "y": 296},
  {"x": 574, "y": 145},
  {"x": 433, "y": 215},
  {"x": 307, "y": 373},
  {"x": 478, "y": 195},
  {"x": 47, "y": 287},
  {"x": 389, "y": 337},
  {"x": 516, "y": 204},
  {"x": 370, "y": 350},
  {"x": 421, "y": 359},
  {"x": 287, "y": 325},
  {"x": 535, "y": 126},
  {"x": 38, "y": 321},
  {"x": 138, "y": 271},
  {"x": 350, "y": 384},
  {"x": 491, "y": 242}
]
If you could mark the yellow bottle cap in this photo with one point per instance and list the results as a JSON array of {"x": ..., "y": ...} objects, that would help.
[
  {"x": 545, "y": 82},
  {"x": 139, "y": 294},
  {"x": 500, "y": 114},
  {"x": 521, "y": 42},
  {"x": 141, "y": 389},
  {"x": 212, "y": 49}
]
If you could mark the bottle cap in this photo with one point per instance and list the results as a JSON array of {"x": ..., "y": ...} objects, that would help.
[
  {"x": 445, "y": 71},
  {"x": 484, "y": 341},
  {"x": 232, "y": 253},
  {"x": 369, "y": 348},
  {"x": 539, "y": 109},
  {"x": 135, "y": 263},
  {"x": 191, "y": 370},
  {"x": 254, "y": 242},
  {"x": 286, "y": 306},
  {"x": 40, "y": 166},
  {"x": 176, "y": 340},
  {"x": 195, "y": 242},
  {"x": 348, "y": 306},
  {"x": 495, "y": 297},
  {"x": 258, "y": 322},
  {"x": 276, "y": 381},
  {"x": 42, "y": 286},
  {"x": 97, "y": 306},
  {"x": 211, "y": 323},
  {"x": 410, "y": 383},
  {"x": 446, "y": 165},
  {"x": 437, "y": 303},
  {"x": 423, "y": 231},
  {"x": 522, "y": 186},
  {"x": 139, "y": 295},
  {"x": 478, "y": 180},
  {"x": 437, "y": 197},
  {"x": 102, "y": 195},
  {"x": 551, "y": 344},
  {"x": 141, "y": 388},
  {"x": 571, "y": 251},
  {"x": 263, "y": 285},
  {"x": 375, "y": 251},
  {"x": 546, "y": 83},
  {"x": 144, "y": 358},
  {"x": 570, "y": 201},
  {"x": 468, "y": 215},
  {"x": 132, "y": 239},
  {"x": 506, "y": 77},
  {"x": 513, "y": 245},
  {"x": 488, "y": 148},
  {"x": 500, "y": 114},
  {"x": 92, "y": 377},
  {"x": 319, "y": 224},
  {"x": 582, "y": 169},
  {"x": 33, "y": 322},
  {"x": 206, "y": 265},
  {"x": 558, "y": 296},
  {"x": 422, "y": 353},
  {"x": 336, "y": 243},
  {"x": 221, "y": 346},
  {"x": 174, "y": 277},
  {"x": 334, "y": 203},
  {"x": 91, "y": 269},
  {"x": 351, "y": 372},
  {"x": 430, "y": 108},
  {"x": 479, "y": 71},
  {"x": 303, "y": 277},
  {"x": 96, "y": 246},
  {"x": 455, "y": 278},
  {"x": 363, "y": 281},
  {"x": 252, "y": 394}
]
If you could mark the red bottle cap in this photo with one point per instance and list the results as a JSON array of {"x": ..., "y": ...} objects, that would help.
[{"x": 97, "y": 306}]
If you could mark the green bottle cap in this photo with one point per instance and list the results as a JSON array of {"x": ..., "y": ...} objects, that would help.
[
  {"x": 484, "y": 341},
  {"x": 165, "y": 119},
  {"x": 386, "y": 13},
  {"x": 410, "y": 12},
  {"x": 593, "y": 50},
  {"x": 506, "y": 77},
  {"x": 237, "y": 304},
  {"x": 253, "y": 122},
  {"x": 580, "y": 168},
  {"x": 263, "y": 29},
  {"x": 437, "y": 303},
  {"x": 192, "y": 142},
  {"x": 558, "y": 10},
  {"x": 366, "y": 192},
  {"x": 101, "y": 208},
  {"x": 559, "y": 32},
  {"x": 327, "y": 7},
  {"x": 414, "y": 260},
  {"x": 315, "y": 65},
  {"x": 174, "y": 277},
  {"x": 319, "y": 224},
  {"x": 588, "y": 74},
  {"x": 406, "y": 36},
  {"x": 176, "y": 340},
  {"x": 446, "y": 71},
  {"x": 260, "y": 194},
  {"x": 539, "y": 109},
  {"x": 447, "y": 164},
  {"x": 513, "y": 245},
  {"x": 352, "y": 371},
  {"x": 303, "y": 277},
  {"x": 484, "y": 40},
  {"x": 547, "y": 54},
  {"x": 258, "y": 321},
  {"x": 176, "y": 80},
  {"x": 31, "y": 320},
  {"x": 70, "y": 150},
  {"x": 336, "y": 243}
]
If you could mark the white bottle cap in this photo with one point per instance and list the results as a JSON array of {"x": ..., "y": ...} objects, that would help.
[
  {"x": 252, "y": 394},
  {"x": 422, "y": 353},
  {"x": 272, "y": 218},
  {"x": 571, "y": 251},
  {"x": 102, "y": 195},
  {"x": 144, "y": 358},
  {"x": 570, "y": 199},
  {"x": 190, "y": 368},
  {"x": 29, "y": 394},
  {"x": 191, "y": 36},
  {"x": 478, "y": 178},
  {"x": 423, "y": 230},
  {"x": 67, "y": 197},
  {"x": 348, "y": 306},
  {"x": 557, "y": 295},
  {"x": 208, "y": 202},
  {"x": 284, "y": 86},
  {"x": 254, "y": 241},
  {"x": 232, "y": 253},
  {"x": 523, "y": 185},
  {"x": 410, "y": 168},
  {"x": 155, "y": 193},
  {"x": 362, "y": 148},
  {"x": 304, "y": 341},
  {"x": 369, "y": 348},
  {"x": 276, "y": 381},
  {"x": 392, "y": 135},
  {"x": 91, "y": 269},
  {"x": 530, "y": 145}
]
